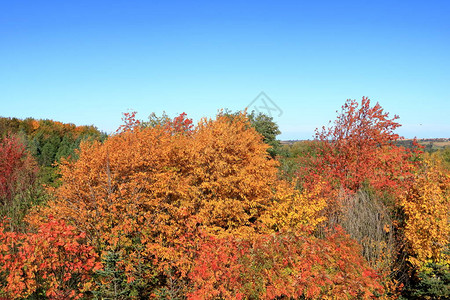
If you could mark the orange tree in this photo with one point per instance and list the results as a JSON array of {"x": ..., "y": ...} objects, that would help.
[
  {"x": 147, "y": 196},
  {"x": 426, "y": 208},
  {"x": 142, "y": 194},
  {"x": 427, "y": 229}
]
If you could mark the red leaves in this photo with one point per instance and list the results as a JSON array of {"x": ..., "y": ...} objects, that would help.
[
  {"x": 130, "y": 122},
  {"x": 361, "y": 147},
  {"x": 217, "y": 270},
  {"x": 55, "y": 259},
  {"x": 182, "y": 123},
  {"x": 17, "y": 169},
  {"x": 358, "y": 150},
  {"x": 282, "y": 265}
]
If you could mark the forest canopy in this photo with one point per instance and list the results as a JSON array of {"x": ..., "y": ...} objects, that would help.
[{"x": 169, "y": 209}]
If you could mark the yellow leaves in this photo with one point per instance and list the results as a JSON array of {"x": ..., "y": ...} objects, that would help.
[
  {"x": 234, "y": 176},
  {"x": 293, "y": 209},
  {"x": 426, "y": 207}
]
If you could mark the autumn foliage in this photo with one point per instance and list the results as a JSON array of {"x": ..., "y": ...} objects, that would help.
[
  {"x": 18, "y": 180},
  {"x": 167, "y": 209},
  {"x": 17, "y": 169},
  {"x": 143, "y": 190},
  {"x": 360, "y": 149},
  {"x": 54, "y": 261},
  {"x": 426, "y": 208},
  {"x": 147, "y": 193},
  {"x": 290, "y": 265}
]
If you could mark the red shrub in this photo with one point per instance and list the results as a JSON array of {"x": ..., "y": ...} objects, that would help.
[
  {"x": 54, "y": 260},
  {"x": 289, "y": 265}
]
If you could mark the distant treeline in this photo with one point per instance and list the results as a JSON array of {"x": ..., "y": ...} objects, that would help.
[
  {"x": 430, "y": 144},
  {"x": 49, "y": 141}
]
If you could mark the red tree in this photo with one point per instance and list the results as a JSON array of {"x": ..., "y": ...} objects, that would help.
[
  {"x": 17, "y": 168},
  {"x": 360, "y": 148}
]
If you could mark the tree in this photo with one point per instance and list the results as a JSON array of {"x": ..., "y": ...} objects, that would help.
[
  {"x": 66, "y": 147},
  {"x": 236, "y": 182},
  {"x": 44, "y": 138},
  {"x": 216, "y": 177},
  {"x": 264, "y": 125},
  {"x": 17, "y": 169},
  {"x": 426, "y": 208},
  {"x": 160, "y": 203},
  {"x": 366, "y": 173},
  {"x": 426, "y": 229},
  {"x": 268, "y": 129},
  {"x": 49, "y": 150},
  {"x": 360, "y": 148},
  {"x": 18, "y": 172}
]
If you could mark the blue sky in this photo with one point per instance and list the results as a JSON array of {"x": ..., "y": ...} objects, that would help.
[{"x": 86, "y": 62}]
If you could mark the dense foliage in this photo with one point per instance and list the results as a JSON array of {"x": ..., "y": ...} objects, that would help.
[
  {"x": 18, "y": 180},
  {"x": 167, "y": 209},
  {"x": 360, "y": 149},
  {"x": 48, "y": 141},
  {"x": 293, "y": 265},
  {"x": 54, "y": 261}
]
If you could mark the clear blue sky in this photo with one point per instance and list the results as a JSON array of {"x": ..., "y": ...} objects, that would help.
[{"x": 86, "y": 62}]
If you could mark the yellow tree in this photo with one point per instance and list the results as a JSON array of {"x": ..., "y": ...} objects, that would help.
[
  {"x": 235, "y": 179},
  {"x": 239, "y": 190},
  {"x": 426, "y": 207}
]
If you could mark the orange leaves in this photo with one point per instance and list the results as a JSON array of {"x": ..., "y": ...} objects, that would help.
[
  {"x": 55, "y": 259},
  {"x": 34, "y": 124},
  {"x": 235, "y": 178},
  {"x": 295, "y": 210},
  {"x": 143, "y": 191},
  {"x": 220, "y": 173}
]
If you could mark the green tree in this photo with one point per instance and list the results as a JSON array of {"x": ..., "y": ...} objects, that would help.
[
  {"x": 268, "y": 129},
  {"x": 66, "y": 147},
  {"x": 48, "y": 154}
]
